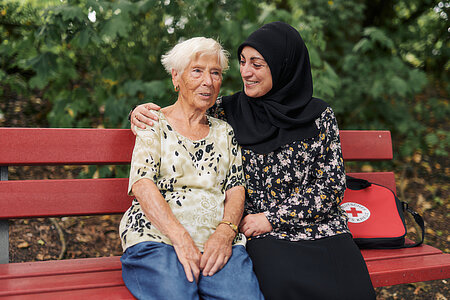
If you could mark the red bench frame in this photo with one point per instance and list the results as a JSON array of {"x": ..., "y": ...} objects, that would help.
[{"x": 101, "y": 277}]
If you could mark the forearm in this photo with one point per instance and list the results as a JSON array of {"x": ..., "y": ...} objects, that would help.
[
  {"x": 219, "y": 245},
  {"x": 233, "y": 209},
  {"x": 157, "y": 210},
  {"x": 312, "y": 204},
  {"x": 234, "y": 204}
]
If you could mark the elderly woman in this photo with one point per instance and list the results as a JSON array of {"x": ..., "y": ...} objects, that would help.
[{"x": 179, "y": 236}]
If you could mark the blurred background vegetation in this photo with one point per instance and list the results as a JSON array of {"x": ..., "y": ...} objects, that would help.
[{"x": 381, "y": 64}]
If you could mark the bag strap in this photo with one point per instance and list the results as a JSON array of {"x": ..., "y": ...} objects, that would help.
[
  {"x": 419, "y": 221},
  {"x": 356, "y": 183}
]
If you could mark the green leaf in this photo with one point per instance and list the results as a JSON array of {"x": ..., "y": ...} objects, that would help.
[
  {"x": 363, "y": 46},
  {"x": 81, "y": 40},
  {"x": 431, "y": 139},
  {"x": 127, "y": 7},
  {"x": 38, "y": 82},
  {"x": 314, "y": 57},
  {"x": 44, "y": 64},
  {"x": 399, "y": 86},
  {"x": 377, "y": 88},
  {"x": 71, "y": 13},
  {"x": 131, "y": 87},
  {"x": 378, "y": 35},
  {"x": 417, "y": 80},
  {"x": 116, "y": 26}
]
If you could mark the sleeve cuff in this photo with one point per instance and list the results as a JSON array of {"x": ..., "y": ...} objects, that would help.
[{"x": 272, "y": 220}]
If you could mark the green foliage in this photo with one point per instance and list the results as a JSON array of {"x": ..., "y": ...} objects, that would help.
[
  {"x": 18, "y": 23},
  {"x": 386, "y": 53},
  {"x": 378, "y": 63}
]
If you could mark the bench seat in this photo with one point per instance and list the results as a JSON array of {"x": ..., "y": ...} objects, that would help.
[
  {"x": 100, "y": 278},
  {"x": 91, "y": 278}
]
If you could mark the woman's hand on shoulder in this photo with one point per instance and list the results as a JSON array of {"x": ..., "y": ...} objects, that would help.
[
  {"x": 255, "y": 224},
  {"x": 142, "y": 115}
]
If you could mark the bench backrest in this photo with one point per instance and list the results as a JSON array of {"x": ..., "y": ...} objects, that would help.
[{"x": 66, "y": 197}]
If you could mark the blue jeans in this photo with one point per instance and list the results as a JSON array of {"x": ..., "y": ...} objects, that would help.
[{"x": 151, "y": 270}]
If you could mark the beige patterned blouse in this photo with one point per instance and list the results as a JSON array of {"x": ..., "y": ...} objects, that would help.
[{"x": 191, "y": 175}]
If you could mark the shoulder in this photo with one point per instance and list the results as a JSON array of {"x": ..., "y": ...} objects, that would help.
[
  {"x": 223, "y": 131},
  {"x": 327, "y": 124},
  {"x": 219, "y": 123},
  {"x": 217, "y": 110},
  {"x": 219, "y": 102},
  {"x": 326, "y": 117}
]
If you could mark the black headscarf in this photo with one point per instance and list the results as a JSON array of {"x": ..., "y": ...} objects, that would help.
[{"x": 288, "y": 111}]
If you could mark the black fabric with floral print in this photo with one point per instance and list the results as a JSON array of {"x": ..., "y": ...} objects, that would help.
[{"x": 299, "y": 186}]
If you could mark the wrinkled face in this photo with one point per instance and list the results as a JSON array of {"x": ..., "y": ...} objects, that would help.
[
  {"x": 255, "y": 73},
  {"x": 200, "y": 82}
]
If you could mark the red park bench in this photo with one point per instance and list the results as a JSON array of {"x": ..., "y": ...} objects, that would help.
[{"x": 100, "y": 278}]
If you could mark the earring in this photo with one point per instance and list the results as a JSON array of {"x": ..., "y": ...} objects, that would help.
[{"x": 177, "y": 88}]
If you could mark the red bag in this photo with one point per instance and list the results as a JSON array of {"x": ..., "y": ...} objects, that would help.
[{"x": 376, "y": 215}]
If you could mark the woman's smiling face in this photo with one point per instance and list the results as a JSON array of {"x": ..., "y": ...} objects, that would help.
[{"x": 255, "y": 73}]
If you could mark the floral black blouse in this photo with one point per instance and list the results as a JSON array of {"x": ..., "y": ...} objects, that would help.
[{"x": 299, "y": 186}]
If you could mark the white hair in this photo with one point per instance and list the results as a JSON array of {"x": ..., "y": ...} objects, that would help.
[{"x": 179, "y": 57}]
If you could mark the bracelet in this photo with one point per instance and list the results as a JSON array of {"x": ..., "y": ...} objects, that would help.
[{"x": 232, "y": 226}]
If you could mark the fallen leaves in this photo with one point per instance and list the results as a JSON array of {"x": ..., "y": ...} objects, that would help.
[
  {"x": 83, "y": 238},
  {"x": 430, "y": 231},
  {"x": 439, "y": 296},
  {"x": 417, "y": 157},
  {"x": 23, "y": 245},
  {"x": 422, "y": 204},
  {"x": 367, "y": 168}
]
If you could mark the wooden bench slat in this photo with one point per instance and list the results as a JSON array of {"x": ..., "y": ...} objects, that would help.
[
  {"x": 410, "y": 269},
  {"x": 41, "y": 198},
  {"x": 385, "y": 267},
  {"x": 57, "y": 146},
  {"x": 110, "y": 293},
  {"x": 366, "y": 145},
  {"x": 30, "y": 269},
  {"x": 59, "y": 267},
  {"x": 67, "y": 282},
  {"x": 386, "y": 179},
  {"x": 381, "y": 254}
]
